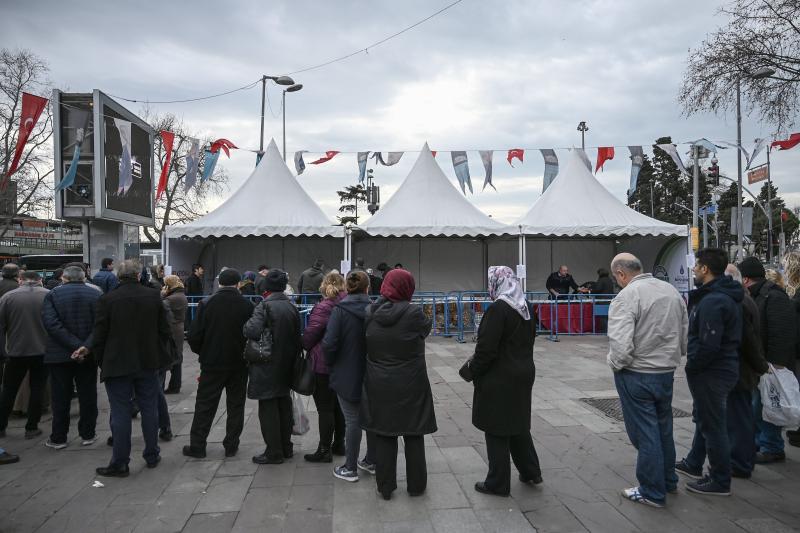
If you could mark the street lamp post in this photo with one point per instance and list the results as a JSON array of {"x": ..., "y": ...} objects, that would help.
[
  {"x": 280, "y": 80},
  {"x": 583, "y": 128},
  {"x": 292, "y": 89},
  {"x": 757, "y": 75}
]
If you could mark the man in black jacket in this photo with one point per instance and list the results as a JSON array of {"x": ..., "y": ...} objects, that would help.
[
  {"x": 560, "y": 282},
  {"x": 778, "y": 333},
  {"x": 712, "y": 366},
  {"x": 130, "y": 343},
  {"x": 216, "y": 336},
  {"x": 193, "y": 289}
]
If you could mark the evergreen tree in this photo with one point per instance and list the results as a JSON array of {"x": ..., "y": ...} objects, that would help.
[{"x": 349, "y": 198}]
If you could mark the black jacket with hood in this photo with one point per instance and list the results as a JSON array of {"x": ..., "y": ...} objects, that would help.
[
  {"x": 715, "y": 328},
  {"x": 345, "y": 347},
  {"x": 778, "y": 323}
]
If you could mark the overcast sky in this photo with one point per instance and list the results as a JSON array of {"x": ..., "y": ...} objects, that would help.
[{"x": 483, "y": 75}]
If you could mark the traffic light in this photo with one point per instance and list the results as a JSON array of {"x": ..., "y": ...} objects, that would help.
[{"x": 713, "y": 172}]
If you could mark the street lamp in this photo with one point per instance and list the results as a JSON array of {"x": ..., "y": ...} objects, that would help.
[
  {"x": 292, "y": 89},
  {"x": 764, "y": 72},
  {"x": 583, "y": 128},
  {"x": 280, "y": 80}
]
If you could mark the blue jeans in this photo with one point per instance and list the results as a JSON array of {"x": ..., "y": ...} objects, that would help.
[
  {"x": 769, "y": 438},
  {"x": 144, "y": 385},
  {"x": 352, "y": 435},
  {"x": 741, "y": 435},
  {"x": 710, "y": 395},
  {"x": 647, "y": 407}
]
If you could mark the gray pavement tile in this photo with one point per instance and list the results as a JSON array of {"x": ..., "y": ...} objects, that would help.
[
  {"x": 356, "y": 514},
  {"x": 402, "y": 508},
  {"x": 503, "y": 521},
  {"x": 275, "y": 475},
  {"x": 564, "y": 483},
  {"x": 444, "y": 492},
  {"x": 461, "y": 520},
  {"x": 484, "y": 501},
  {"x": 451, "y": 441},
  {"x": 210, "y": 523},
  {"x": 644, "y": 517},
  {"x": 311, "y": 498},
  {"x": 599, "y": 517},
  {"x": 79, "y": 511},
  {"x": 263, "y": 509},
  {"x": 237, "y": 467},
  {"x": 555, "y": 518},
  {"x": 319, "y": 474},
  {"x": 762, "y": 525},
  {"x": 464, "y": 460},
  {"x": 312, "y": 521},
  {"x": 224, "y": 494},
  {"x": 408, "y": 526},
  {"x": 118, "y": 518},
  {"x": 194, "y": 476},
  {"x": 169, "y": 514}
]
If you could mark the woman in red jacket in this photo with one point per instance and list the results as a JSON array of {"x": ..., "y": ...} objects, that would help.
[{"x": 331, "y": 420}]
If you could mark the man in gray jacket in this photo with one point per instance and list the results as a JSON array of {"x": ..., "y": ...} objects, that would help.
[
  {"x": 647, "y": 335},
  {"x": 21, "y": 322}
]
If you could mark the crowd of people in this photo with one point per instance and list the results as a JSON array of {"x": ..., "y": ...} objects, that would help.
[{"x": 367, "y": 356}]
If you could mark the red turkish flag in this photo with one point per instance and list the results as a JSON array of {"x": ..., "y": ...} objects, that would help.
[
  {"x": 433, "y": 152},
  {"x": 167, "y": 138},
  {"x": 604, "y": 153},
  {"x": 328, "y": 156},
  {"x": 519, "y": 153},
  {"x": 786, "y": 144},
  {"x": 32, "y": 107}
]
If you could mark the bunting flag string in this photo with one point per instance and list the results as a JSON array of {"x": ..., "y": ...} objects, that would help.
[
  {"x": 461, "y": 166},
  {"x": 637, "y": 160},
  {"x": 672, "y": 151},
  {"x": 81, "y": 119},
  {"x": 486, "y": 157},
  {"x": 299, "y": 164},
  {"x": 192, "y": 164},
  {"x": 550, "y": 167},
  {"x": 125, "y": 162},
  {"x": 362, "y": 166},
  {"x": 517, "y": 153},
  {"x": 167, "y": 139},
  {"x": 328, "y": 156},
  {"x": 391, "y": 159},
  {"x": 787, "y": 144},
  {"x": 32, "y": 107},
  {"x": 604, "y": 153}
]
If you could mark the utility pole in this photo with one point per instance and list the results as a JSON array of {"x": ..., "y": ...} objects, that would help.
[
  {"x": 695, "y": 195},
  {"x": 769, "y": 208},
  {"x": 263, "y": 100},
  {"x": 739, "y": 210},
  {"x": 583, "y": 128}
]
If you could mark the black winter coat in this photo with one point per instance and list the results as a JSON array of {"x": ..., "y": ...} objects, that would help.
[
  {"x": 8, "y": 285},
  {"x": 273, "y": 379},
  {"x": 131, "y": 332},
  {"x": 603, "y": 285},
  {"x": 345, "y": 346},
  {"x": 561, "y": 285},
  {"x": 715, "y": 328},
  {"x": 751, "y": 357},
  {"x": 397, "y": 398},
  {"x": 216, "y": 331},
  {"x": 778, "y": 323},
  {"x": 194, "y": 286},
  {"x": 68, "y": 315},
  {"x": 503, "y": 371}
]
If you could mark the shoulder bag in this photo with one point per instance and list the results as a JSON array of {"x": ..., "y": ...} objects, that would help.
[{"x": 260, "y": 351}]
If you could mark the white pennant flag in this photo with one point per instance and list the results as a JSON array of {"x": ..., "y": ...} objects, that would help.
[
  {"x": 486, "y": 157},
  {"x": 391, "y": 159},
  {"x": 299, "y": 164},
  {"x": 672, "y": 151},
  {"x": 192, "y": 165},
  {"x": 125, "y": 163},
  {"x": 757, "y": 149}
]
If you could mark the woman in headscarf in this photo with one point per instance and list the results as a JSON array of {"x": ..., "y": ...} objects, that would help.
[
  {"x": 174, "y": 297},
  {"x": 248, "y": 284},
  {"x": 503, "y": 373},
  {"x": 397, "y": 399}
]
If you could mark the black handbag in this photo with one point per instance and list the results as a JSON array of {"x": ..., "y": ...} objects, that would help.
[
  {"x": 260, "y": 350},
  {"x": 303, "y": 379}
]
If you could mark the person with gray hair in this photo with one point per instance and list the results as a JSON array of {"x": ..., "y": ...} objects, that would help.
[
  {"x": 647, "y": 334},
  {"x": 131, "y": 343},
  {"x": 21, "y": 323},
  {"x": 9, "y": 281},
  {"x": 68, "y": 315}
]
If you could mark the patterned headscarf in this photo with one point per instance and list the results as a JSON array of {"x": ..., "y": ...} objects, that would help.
[{"x": 504, "y": 285}]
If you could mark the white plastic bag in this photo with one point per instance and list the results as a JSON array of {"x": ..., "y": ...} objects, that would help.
[
  {"x": 300, "y": 425},
  {"x": 780, "y": 397}
]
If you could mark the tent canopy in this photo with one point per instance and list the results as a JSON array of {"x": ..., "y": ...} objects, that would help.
[
  {"x": 270, "y": 203},
  {"x": 576, "y": 204},
  {"x": 428, "y": 204}
]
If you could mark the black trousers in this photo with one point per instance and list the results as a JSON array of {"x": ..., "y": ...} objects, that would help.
[
  {"x": 83, "y": 377},
  {"x": 209, "y": 391},
  {"x": 331, "y": 419},
  {"x": 16, "y": 368},
  {"x": 522, "y": 452},
  {"x": 386, "y": 463},
  {"x": 275, "y": 417},
  {"x": 175, "y": 375}
]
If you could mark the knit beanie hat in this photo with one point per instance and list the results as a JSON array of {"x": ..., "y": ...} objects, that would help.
[
  {"x": 750, "y": 267},
  {"x": 276, "y": 280},
  {"x": 229, "y": 277}
]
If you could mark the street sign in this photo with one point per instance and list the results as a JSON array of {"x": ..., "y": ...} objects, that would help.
[
  {"x": 758, "y": 174},
  {"x": 708, "y": 209}
]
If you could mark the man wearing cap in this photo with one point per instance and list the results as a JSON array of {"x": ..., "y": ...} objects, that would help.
[
  {"x": 216, "y": 336},
  {"x": 778, "y": 331}
]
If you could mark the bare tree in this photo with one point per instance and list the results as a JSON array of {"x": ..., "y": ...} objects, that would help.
[
  {"x": 758, "y": 34},
  {"x": 175, "y": 205},
  {"x": 23, "y": 71}
]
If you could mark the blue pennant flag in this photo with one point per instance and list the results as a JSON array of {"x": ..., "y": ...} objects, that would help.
[
  {"x": 208, "y": 167},
  {"x": 462, "y": 170},
  {"x": 81, "y": 118}
]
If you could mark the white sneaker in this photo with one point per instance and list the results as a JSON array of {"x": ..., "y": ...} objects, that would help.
[
  {"x": 54, "y": 445},
  {"x": 88, "y": 442},
  {"x": 634, "y": 495}
]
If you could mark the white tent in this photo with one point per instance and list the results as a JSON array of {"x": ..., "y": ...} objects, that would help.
[
  {"x": 579, "y": 223},
  {"x": 270, "y": 220},
  {"x": 432, "y": 230}
]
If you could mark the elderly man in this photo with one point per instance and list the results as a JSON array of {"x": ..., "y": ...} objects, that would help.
[
  {"x": 130, "y": 343},
  {"x": 560, "y": 282},
  {"x": 68, "y": 315},
  {"x": 21, "y": 323},
  {"x": 647, "y": 332}
]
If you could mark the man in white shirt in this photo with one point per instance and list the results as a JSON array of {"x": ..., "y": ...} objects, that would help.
[{"x": 647, "y": 335}]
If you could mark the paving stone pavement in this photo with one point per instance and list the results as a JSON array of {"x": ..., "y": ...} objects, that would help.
[{"x": 586, "y": 460}]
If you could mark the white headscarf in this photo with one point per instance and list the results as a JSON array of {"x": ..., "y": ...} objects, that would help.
[{"x": 504, "y": 285}]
